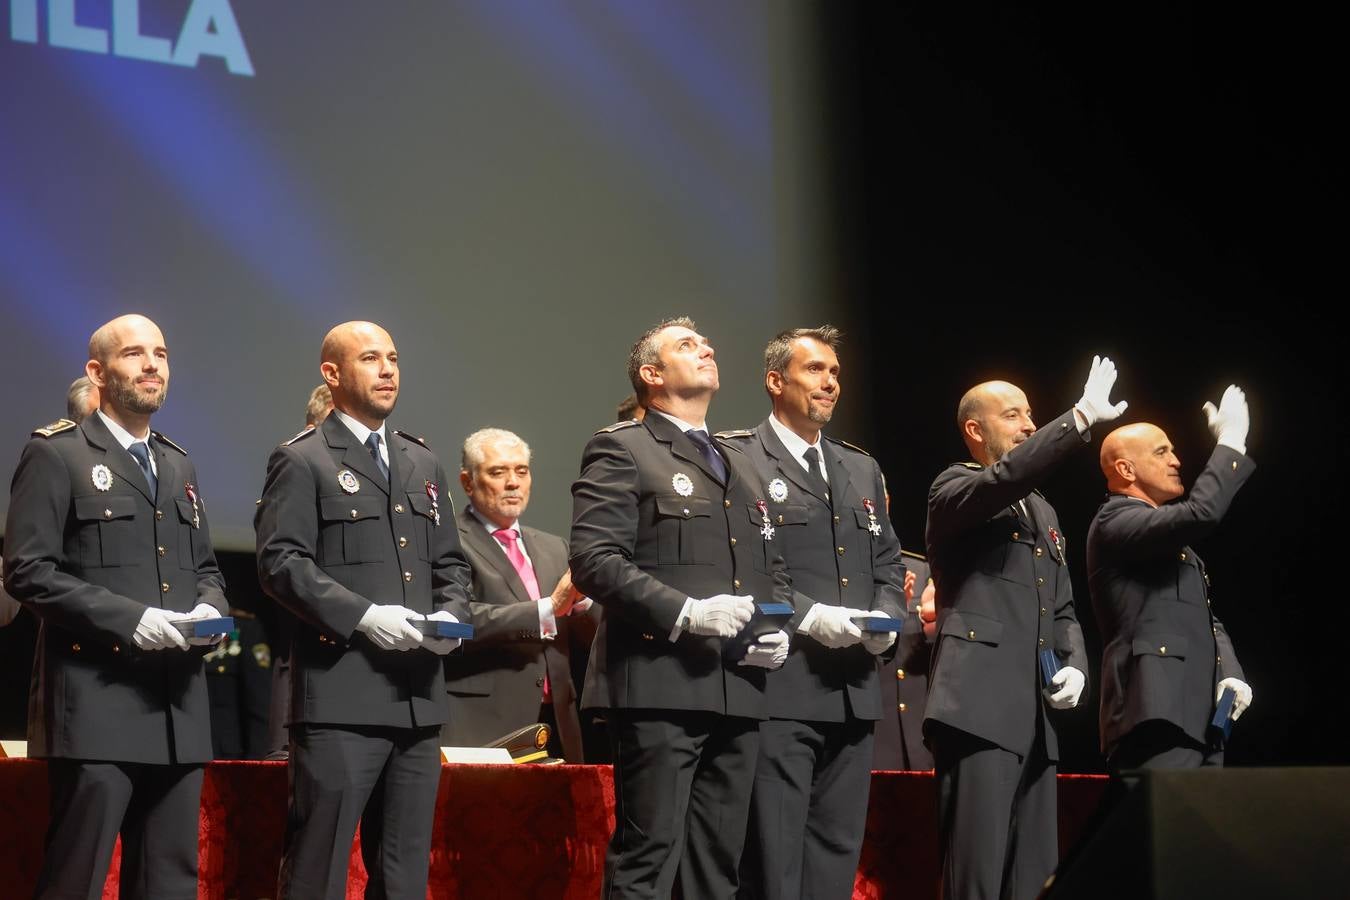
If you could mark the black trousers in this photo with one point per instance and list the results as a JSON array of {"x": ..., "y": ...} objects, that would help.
[
  {"x": 154, "y": 808},
  {"x": 682, "y": 784},
  {"x": 809, "y": 809},
  {"x": 1158, "y": 744},
  {"x": 384, "y": 778},
  {"x": 997, "y": 820}
]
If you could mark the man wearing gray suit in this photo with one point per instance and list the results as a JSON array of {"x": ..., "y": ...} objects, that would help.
[{"x": 517, "y": 670}]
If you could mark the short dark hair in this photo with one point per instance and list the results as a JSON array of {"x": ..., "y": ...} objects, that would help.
[
  {"x": 646, "y": 352},
  {"x": 778, "y": 353},
  {"x": 627, "y": 408}
]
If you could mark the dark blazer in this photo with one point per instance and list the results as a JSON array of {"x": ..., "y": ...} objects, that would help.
[
  {"x": 832, "y": 557},
  {"x": 1164, "y": 650},
  {"x": 87, "y": 562},
  {"x": 495, "y": 684},
  {"x": 326, "y": 553},
  {"x": 898, "y": 739},
  {"x": 640, "y": 548},
  {"x": 1003, "y": 591}
]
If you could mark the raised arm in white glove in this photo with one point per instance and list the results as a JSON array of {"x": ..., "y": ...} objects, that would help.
[
  {"x": 769, "y": 652},
  {"x": 440, "y": 645},
  {"x": 1229, "y": 423},
  {"x": 156, "y": 631},
  {"x": 388, "y": 628},
  {"x": 878, "y": 642},
  {"x": 1241, "y": 701},
  {"x": 723, "y": 615},
  {"x": 1070, "y": 682},
  {"x": 832, "y": 626},
  {"x": 1095, "y": 405}
]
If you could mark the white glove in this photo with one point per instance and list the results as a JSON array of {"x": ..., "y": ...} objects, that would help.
[
  {"x": 1229, "y": 423},
  {"x": 204, "y": 611},
  {"x": 156, "y": 631},
  {"x": 769, "y": 652},
  {"x": 1070, "y": 682},
  {"x": 878, "y": 642},
  {"x": 388, "y": 628},
  {"x": 440, "y": 645},
  {"x": 832, "y": 626},
  {"x": 721, "y": 616},
  {"x": 1095, "y": 405},
  {"x": 1241, "y": 701}
]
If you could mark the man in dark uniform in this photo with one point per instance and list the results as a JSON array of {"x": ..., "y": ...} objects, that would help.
[
  {"x": 107, "y": 543},
  {"x": 899, "y": 743},
  {"x": 1003, "y": 594},
  {"x": 661, "y": 540},
  {"x": 518, "y": 668},
  {"x": 355, "y": 538},
  {"x": 1166, "y": 657},
  {"x": 826, "y": 503}
]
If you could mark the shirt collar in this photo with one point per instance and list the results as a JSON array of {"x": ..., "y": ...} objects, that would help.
[
  {"x": 493, "y": 527},
  {"x": 362, "y": 432},
  {"x": 680, "y": 423},
  {"x": 794, "y": 442},
  {"x": 123, "y": 437}
]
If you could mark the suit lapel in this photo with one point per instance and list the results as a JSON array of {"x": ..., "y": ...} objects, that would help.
[
  {"x": 352, "y": 454},
  {"x": 839, "y": 478},
  {"x": 548, "y": 566},
  {"x": 788, "y": 466},
  {"x": 118, "y": 460},
  {"x": 475, "y": 536},
  {"x": 667, "y": 432}
]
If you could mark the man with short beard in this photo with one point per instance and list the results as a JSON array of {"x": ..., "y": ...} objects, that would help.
[
  {"x": 1003, "y": 593},
  {"x": 356, "y": 537},
  {"x": 824, "y": 501},
  {"x": 107, "y": 543}
]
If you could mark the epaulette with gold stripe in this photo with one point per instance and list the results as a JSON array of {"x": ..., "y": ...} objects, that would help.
[
  {"x": 835, "y": 440},
  {"x": 412, "y": 437},
  {"x": 919, "y": 556},
  {"x": 626, "y": 423},
  {"x": 56, "y": 427},
  {"x": 306, "y": 433},
  {"x": 735, "y": 433},
  {"x": 969, "y": 465},
  {"x": 169, "y": 442}
]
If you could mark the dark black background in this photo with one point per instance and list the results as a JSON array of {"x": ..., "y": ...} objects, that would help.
[{"x": 1018, "y": 189}]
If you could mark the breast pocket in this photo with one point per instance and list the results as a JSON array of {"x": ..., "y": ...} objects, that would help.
[
  {"x": 678, "y": 521},
  {"x": 107, "y": 528},
  {"x": 783, "y": 517},
  {"x": 189, "y": 536},
  {"x": 423, "y": 523},
  {"x": 350, "y": 530}
]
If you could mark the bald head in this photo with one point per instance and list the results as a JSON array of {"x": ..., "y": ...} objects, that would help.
[
  {"x": 129, "y": 366},
  {"x": 1138, "y": 460},
  {"x": 106, "y": 339},
  {"x": 993, "y": 417},
  {"x": 359, "y": 364}
]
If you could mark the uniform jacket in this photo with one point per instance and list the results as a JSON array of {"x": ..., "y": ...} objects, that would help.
[
  {"x": 333, "y": 538},
  {"x": 88, "y": 561},
  {"x": 1164, "y": 650},
  {"x": 898, "y": 739}
]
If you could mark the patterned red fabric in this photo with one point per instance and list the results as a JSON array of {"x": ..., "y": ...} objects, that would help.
[{"x": 501, "y": 831}]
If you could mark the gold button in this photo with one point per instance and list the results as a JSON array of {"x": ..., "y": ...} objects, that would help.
[
  {"x": 1040, "y": 642},
  {"x": 220, "y": 669},
  {"x": 159, "y": 514},
  {"x": 107, "y": 514},
  {"x": 1235, "y": 465},
  {"x": 398, "y": 507},
  {"x": 733, "y": 542},
  {"x": 726, "y": 504},
  {"x": 354, "y": 514},
  {"x": 117, "y": 648},
  {"x": 1016, "y": 535},
  {"x": 1218, "y": 659},
  {"x": 1042, "y": 610},
  {"x": 1040, "y": 551},
  {"x": 902, "y": 707},
  {"x": 1215, "y": 630},
  {"x": 407, "y": 576},
  {"x": 75, "y": 647},
  {"x": 164, "y": 587},
  {"x": 780, "y": 520},
  {"x": 836, "y": 520},
  {"x": 161, "y": 551},
  {"x": 1183, "y": 556},
  {"x": 648, "y": 637},
  {"x": 971, "y": 634},
  {"x": 900, "y": 674},
  {"x": 686, "y": 513},
  {"x": 843, "y": 582},
  {"x": 1063, "y": 426},
  {"x": 841, "y": 550},
  {"x": 403, "y": 542},
  {"x": 1039, "y": 581},
  {"x": 1163, "y": 650},
  {"x": 736, "y": 583}
]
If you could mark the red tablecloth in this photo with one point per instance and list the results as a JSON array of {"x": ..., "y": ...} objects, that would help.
[{"x": 501, "y": 831}]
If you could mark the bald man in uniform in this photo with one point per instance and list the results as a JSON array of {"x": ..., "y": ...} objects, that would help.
[
  {"x": 1166, "y": 657},
  {"x": 355, "y": 538},
  {"x": 1003, "y": 594},
  {"x": 107, "y": 544}
]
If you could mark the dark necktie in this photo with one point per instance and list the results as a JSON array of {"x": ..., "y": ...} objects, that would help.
[
  {"x": 373, "y": 445},
  {"x": 710, "y": 454},
  {"x": 812, "y": 457},
  {"x": 142, "y": 454}
]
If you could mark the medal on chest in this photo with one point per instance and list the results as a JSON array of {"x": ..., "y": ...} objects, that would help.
[
  {"x": 435, "y": 494},
  {"x": 191, "y": 490},
  {"x": 767, "y": 528},
  {"x": 872, "y": 524}
]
